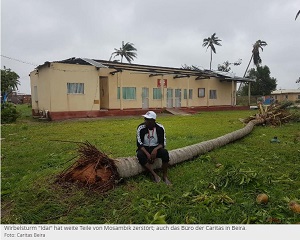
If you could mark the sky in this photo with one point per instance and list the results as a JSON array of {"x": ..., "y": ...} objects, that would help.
[{"x": 165, "y": 33}]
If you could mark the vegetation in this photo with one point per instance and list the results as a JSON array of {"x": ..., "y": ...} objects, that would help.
[
  {"x": 9, "y": 113},
  {"x": 210, "y": 42},
  {"x": 264, "y": 84},
  {"x": 127, "y": 50},
  {"x": 9, "y": 83},
  {"x": 225, "y": 67},
  {"x": 219, "y": 187}
]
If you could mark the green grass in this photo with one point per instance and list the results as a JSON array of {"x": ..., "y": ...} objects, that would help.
[{"x": 33, "y": 154}]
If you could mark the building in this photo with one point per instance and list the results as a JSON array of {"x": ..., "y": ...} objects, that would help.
[
  {"x": 19, "y": 98},
  {"x": 281, "y": 95},
  {"x": 81, "y": 87}
]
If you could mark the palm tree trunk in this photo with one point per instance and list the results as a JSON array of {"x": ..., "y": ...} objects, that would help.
[
  {"x": 210, "y": 59},
  {"x": 242, "y": 84},
  {"x": 248, "y": 65},
  {"x": 129, "y": 166}
]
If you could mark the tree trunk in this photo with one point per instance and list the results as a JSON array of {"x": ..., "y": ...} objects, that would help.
[
  {"x": 210, "y": 59},
  {"x": 129, "y": 166},
  {"x": 248, "y": 65},
  {"x": 242, "y": 84}
]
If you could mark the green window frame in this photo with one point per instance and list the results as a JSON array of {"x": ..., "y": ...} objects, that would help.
[{"x": 128, "y": 93}]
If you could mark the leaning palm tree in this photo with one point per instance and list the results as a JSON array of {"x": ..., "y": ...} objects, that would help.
[
  {"x": 210, "y": 42},
  {"x": 127, "y": 51},
  {"x": 259, "y": 44}
]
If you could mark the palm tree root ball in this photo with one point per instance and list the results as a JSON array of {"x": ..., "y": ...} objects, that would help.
[{"x": 93, "y": 169}]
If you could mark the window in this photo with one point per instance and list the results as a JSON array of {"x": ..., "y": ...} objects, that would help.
[
  {"x": 201, "y": 92},
  {"x": 212, "y": 94},
  {"x": 118, "y": 93},
  {"x": 185, "y": 94},
  {"x": 75, "y": 88},
  {"x": 127, "y": 93},
  {"x": 157, "y": 93},
  {"x": 190, "y": 94},
  {"x": 298, "y": 96}
]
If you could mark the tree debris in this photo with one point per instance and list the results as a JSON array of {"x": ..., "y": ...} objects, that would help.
[{"x": 275, "y": 114}]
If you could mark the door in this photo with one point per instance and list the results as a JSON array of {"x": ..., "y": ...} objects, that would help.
[
  {"x": 177, "y": 98},
  {"x": 104, "y": 95},
  {"x": 169, "y": 98},
  {"x": 145, "y": 98}
]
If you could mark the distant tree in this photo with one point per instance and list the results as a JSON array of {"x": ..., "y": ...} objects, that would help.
[
  {"x": 127, "y": 51},
  {"x": 225, "y": 67},
  {"x": 210, "y": 42},
  {"x": 264, "y": 84},
  {"x": 9, "y": 82}
]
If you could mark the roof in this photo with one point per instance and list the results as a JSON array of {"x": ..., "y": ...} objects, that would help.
[
  {"x": 284, "y": 91},
  {"x": 152, "y": 70}
]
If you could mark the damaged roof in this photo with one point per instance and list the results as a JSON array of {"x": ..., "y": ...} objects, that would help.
[{"x": 152, "y": 70}]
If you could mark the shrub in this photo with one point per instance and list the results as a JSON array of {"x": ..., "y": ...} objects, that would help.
[{"x": 9, "y": 113}]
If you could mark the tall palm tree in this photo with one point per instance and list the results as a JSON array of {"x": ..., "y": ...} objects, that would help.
[
  {"x": 127, "y": 50},
  {"x": 210, "y": 42}
]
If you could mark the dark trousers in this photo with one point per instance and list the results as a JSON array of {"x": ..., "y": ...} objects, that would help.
[{"x": 161, "y": 153}]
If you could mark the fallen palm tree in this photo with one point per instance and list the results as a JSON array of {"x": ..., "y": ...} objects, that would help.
[{"x": 96, "y": 170}]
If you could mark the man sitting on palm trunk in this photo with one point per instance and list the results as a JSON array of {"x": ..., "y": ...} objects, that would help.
[{"x": 151, "y": 142}]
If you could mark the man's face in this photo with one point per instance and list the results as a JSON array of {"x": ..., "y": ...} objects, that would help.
[{"x": 150, "y": 123}]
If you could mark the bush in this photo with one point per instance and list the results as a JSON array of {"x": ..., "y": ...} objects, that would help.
[{"x": 9, "y": 113}]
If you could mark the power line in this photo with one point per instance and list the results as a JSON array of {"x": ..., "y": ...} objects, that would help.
[{"x": 19, "y": 60}]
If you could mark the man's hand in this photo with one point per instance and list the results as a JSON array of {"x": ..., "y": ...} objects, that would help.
[{"x": 153, "y": 154}]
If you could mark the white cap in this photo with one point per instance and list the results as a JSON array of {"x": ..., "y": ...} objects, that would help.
[{"x": 150, "y": 115}]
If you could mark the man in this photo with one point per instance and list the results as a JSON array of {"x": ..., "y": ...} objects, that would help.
[{"x": 151, "y": 142}]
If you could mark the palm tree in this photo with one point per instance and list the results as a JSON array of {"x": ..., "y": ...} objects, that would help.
[
  {"x": 259, "y": 44},
  {"x": 210, "y": 42},
  {"x": 127, "y": 50}
]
